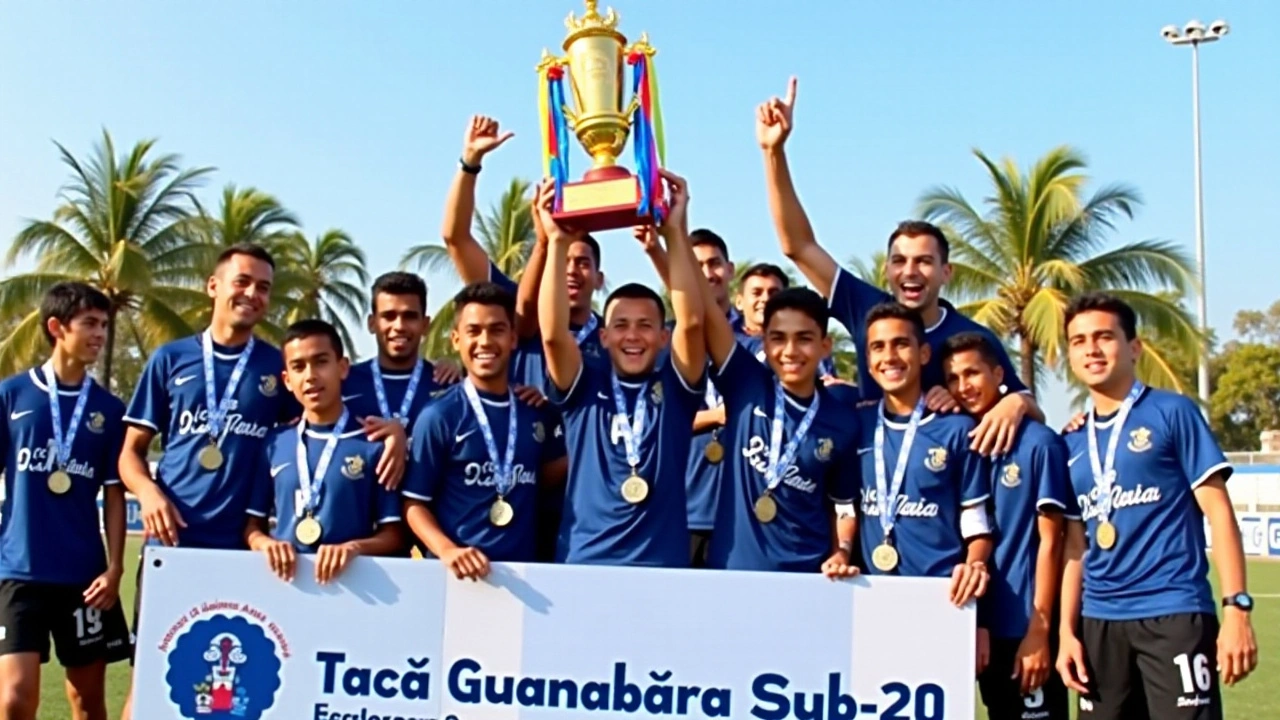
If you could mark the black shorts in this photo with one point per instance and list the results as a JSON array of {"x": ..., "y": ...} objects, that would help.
[
  {"x": 1002, "y": 694},
  {"x": 1162, "y": 668},
  {"x": 32, "y": 612},
  {"x": 699, "y": 544}
]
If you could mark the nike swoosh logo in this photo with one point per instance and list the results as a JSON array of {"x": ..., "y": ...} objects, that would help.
[
  {"x": 463, "y": 436},
  {"x": 350, "y": 397},
  {"x": 759, "y": 413},
  {"x": 180, "y": 381},
  {"x": 1073, "y": 459},
  {"x": 602, "y": 396},
  {"x": 275, "y": 469},
  {"x": 16, "y": 415}
]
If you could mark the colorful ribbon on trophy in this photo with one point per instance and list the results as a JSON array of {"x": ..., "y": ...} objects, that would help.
[
  {"x": 555, "y": 128},
  {"x": 650, "y": 145}
]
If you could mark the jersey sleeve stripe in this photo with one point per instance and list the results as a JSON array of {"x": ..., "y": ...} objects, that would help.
[
  {"x": 111, "y": 481},
  {"x": 728, "y": 359},
  {"x": 255, "y": 513},
  {"x": 415, "y": 496},
  {"x": 573, "y": 386},
  {"x": 389, "y": 519},
  {"x": 976, "y": 501},
  {"x": 1050, "y": 502},
  {"x": 680, "y": 376},
  {"x": 835, "y": 283},
  {"x": 1208, "y": 474},
  {"x": 140, "y": 421}
]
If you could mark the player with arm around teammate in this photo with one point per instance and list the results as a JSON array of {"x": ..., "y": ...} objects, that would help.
[
  {"x": 478, "y": 453},
  {"x": 1028, "y": 493},
  {"x": 316, "y": 478}
]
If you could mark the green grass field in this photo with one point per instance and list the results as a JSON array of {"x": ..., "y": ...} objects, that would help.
[{"x": 1255, "y": 698}]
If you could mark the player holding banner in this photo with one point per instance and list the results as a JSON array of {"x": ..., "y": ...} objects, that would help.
[
  {"x": 337, "y": 511},
  {"x": 1139, "y": 634},
  {"x": 60, "y": 437},
  {"x": 628, "y": 426},
  {"x": 478, "y": 453}
]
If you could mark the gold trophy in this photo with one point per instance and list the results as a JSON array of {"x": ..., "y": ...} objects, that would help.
[{"x": 597, "y": 57}]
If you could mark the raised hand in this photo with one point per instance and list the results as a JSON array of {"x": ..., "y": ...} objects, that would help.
[
  {"x": 677, "y": 203},
  {"x": 774, "y": 119},
  {"x": 481, "y": 138},
  {"x": 544, "y": 203}
]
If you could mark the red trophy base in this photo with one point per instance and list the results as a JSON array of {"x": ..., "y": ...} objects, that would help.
[{"x": 605, "y": 199}]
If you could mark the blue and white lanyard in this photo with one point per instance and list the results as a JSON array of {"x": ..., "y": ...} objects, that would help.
[
  {"x": 631, "y": 431},
  {"x": 64, "y": 442},
  {"x": 503, "y": 471},
  {"x": 217, "y": 411},
  {"x": 381, "y": 391},
  {"x": 773, "y": 476},
  {"x": 887, "y": 498},
  {"x": 311, "y": 487},
  {"x": 1104, "y": 476}
]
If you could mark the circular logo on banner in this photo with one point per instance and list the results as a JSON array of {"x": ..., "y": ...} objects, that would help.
[{"x": 224, "y": 666}]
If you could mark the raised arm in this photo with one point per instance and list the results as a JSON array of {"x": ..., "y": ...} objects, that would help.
[
  {"x": 531, "y": 279},
  {"x": 563, "y": 357},
  {"x": 688, "y": 343},
  {"x": 795, "y": 234},
  {"x": 468, "y": 256},
  {"x": 654, "y": 250}
]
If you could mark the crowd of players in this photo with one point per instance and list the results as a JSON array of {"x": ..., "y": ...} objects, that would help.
[{"x": 718, "y": 438}]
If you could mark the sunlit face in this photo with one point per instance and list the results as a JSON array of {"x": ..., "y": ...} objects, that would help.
[
  {"x": 484, "y": 336},
  {"x": 753, "y": 294},
  {"x": 716, "y": 269},
  {"x": 582, "y": 276},
  {"x": 83, "y": 337},
  {"x": 241, "y": 290},
  {"x": 794, "y": 344},
  {"x": 399, "y": 322},
  {"x": 1099, "y": 352},
  {"x": 895, "y": 355},
  {"x": 915, "y": 270},
  {"x": 313, "y": 372},
  {"x": 973, "y": 381},
  {"x": 633, "y": 334}
]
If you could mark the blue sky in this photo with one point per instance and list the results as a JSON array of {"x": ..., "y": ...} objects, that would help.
[{"x": 352, "y": 113}]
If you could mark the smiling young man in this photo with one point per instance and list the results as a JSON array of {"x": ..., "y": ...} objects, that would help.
[
  {"x": 478, "y": 453},
  {"x": 627, "y": 425},
  {"x": 1029, "y": 491},
  {"x": 60, "y": 438},
  {"x": 924, "y": 491},
  {"x": 917, "y": 267},
  {"x": 1139, "y": 633},
  {"x": 316, "y": 478}
]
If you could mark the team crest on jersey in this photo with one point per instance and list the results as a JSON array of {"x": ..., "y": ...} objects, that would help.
[
  {"x": 224, "y": 666},
  {"x": 1012, "y": 476},
  {"x": 936, "y": 459},
  {"x": 655, "y": 395},
  {"x": 823, "y": 451},
  {"x": 353, "y": 467},
  {"x": 539, "y": 432},
  {"x": 1140, "y": 440},
  {"x": 97, "y": 422},
  {"x": 269, "y": 385}
]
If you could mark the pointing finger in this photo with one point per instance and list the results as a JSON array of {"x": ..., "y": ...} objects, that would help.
[{"x": 791, "y": 91}]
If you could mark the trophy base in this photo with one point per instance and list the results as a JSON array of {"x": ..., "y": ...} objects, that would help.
[{"x": 606, "y": 199}]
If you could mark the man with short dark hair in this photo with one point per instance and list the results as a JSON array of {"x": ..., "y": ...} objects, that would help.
[
  {"x": 1028, "y": 493},
  {"x": 316, "y": 478},
  {"x": 1139, "y": 634},
  {"x": 627, "y": 426},
  {"x": 60, "y": 438},
  {"x": 917, "y": 266},
  {"x": 478, "y": 453}
]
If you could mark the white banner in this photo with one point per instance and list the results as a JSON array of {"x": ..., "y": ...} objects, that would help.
[
  {"x": 1259, "y": 533},
  {"x": 221, "y": 637}
]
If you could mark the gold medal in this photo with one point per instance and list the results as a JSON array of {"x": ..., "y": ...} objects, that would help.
[
  {"x": 1105, "y": 535},
  {"x": 59, "y": 482},
  {"x": 714, "y": 452},
  {"x": 884, "y": 557},
  {"x": 210, "y": 457},
  {"x": 766, "y": 508},
  {"x": 635, "y": 489},
  {"x": 308, "y": 531},
  {"x": 501, "y": 512}
]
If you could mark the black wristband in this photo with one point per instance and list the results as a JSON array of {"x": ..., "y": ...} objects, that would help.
[{"x": 470, "y": 169}]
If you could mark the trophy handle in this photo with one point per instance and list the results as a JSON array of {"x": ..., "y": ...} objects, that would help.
[
  {"x": 632, "y": 107},
  {"x": 570, "y": 115}
]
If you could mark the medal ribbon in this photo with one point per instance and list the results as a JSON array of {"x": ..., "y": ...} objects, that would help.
[
  {"x": 503, "y": 471},
  {"x": 311, "y": 488},
  {"x": 887, "y": 498},
  {"x": 381, "y": 391},
  {"x": 631, "y": 431},
  {"x": 218, "y": 410},
  {"x": 1104, "y": 476},
  {"x": 585, "y": 331},
  {"x": 773, "y": 476},
  {"x": 62, "y": 443}
]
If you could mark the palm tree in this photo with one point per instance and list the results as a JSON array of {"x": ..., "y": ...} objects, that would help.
[
  {"x": 1040, "y": 242},
  {"x": 118, "y": 229},
  {"x": 507, "y": 235},
  {"x": 871, "y": 271},
  {"x": 323, "y": 279}
]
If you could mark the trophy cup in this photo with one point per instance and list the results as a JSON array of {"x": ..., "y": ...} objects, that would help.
[{"x": 608, "y": 197}]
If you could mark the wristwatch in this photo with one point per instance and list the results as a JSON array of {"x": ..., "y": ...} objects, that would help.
[{"x": 1242, "y": 600}]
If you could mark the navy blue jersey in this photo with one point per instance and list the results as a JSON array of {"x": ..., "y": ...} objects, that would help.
[
  {"x": 46, "y": 537},
  {"x": 351, "y": 503},
  {"x": 1031, "y": 479},
  {"x": 851, "y": 299},
  {"x": 599, "y": 526},
  {"x": 170, "y": 400},
  {"x": 942, "y": 476},
  {"x": 824, "y": 470},
  {"x": 360, "y": 394},
  {"x": 1158, "y": 565},
  {"x": 450, "y": 468}
]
